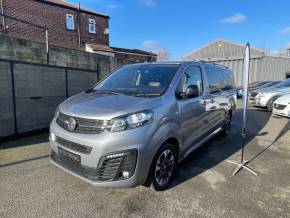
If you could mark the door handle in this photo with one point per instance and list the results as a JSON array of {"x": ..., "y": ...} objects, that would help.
[{"x": 36, "y": 97}]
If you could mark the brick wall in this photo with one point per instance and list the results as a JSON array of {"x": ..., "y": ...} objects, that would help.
[{"x": 52, "y": 17}]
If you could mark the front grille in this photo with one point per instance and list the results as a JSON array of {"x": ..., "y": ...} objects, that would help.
[
  {"x": 83, "y": 125},
  {"x": 109, "y": 168},
  {"x": 74, "y": 146},
  {"x": 279, "y": 106}
]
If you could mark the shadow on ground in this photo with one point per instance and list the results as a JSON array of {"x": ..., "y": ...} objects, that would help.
[
  {"x": 37, "y": 137},
  {"x": 219, "y": 149}
]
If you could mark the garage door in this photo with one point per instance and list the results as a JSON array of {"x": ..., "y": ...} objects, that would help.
[
  {"x": 38, "y": 91},
  {"x": 6, "y": 101}
]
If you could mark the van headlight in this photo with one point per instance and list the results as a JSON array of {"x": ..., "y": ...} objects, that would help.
[{"x": 131, "y": 121}]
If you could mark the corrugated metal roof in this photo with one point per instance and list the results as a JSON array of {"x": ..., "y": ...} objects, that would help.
[{"x": 222, "y": 49}]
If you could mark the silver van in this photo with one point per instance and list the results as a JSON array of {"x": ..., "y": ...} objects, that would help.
[{"x": 134, "y": 126}]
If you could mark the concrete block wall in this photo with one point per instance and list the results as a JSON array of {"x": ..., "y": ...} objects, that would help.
[
  {"x": 79, "y": 81},
  {"x": 38, "y": 88},
  {"x": 27, "y": 51}
]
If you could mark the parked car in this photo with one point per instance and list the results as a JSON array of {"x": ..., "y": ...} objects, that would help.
[
  {"x": 282, "y": 106},
  {"x": 135, "y": 125},
  {"x": 265, "y": 97},
  {"x": 263, "y": 85},
  {"x": 255, "y": 84}
]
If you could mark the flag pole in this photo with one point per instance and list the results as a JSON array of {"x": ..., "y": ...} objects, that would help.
[{"x": 242, "y": 163}]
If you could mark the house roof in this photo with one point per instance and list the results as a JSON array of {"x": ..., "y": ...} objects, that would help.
[
  {"x": 133, "y": 51},
  {"x": 106, "y": 48},
  {"x": 63, "y": 3},
  {"x": 97, "y": 47}
]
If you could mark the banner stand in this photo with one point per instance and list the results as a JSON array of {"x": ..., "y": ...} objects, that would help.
[{"x": 242, "y": 164}]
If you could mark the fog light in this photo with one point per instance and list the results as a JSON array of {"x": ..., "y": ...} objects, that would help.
[{"x": 126, "y": 174}]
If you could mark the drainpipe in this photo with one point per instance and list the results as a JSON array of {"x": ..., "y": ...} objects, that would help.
[
  {"x": 79, "y": 29},
  {"x": 3, "y": 19}
]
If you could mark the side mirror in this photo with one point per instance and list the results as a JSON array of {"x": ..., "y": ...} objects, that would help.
[{"x": 192, "y": 91}]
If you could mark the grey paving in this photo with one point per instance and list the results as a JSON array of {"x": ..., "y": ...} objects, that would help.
[{"x": 203, "y": 186}]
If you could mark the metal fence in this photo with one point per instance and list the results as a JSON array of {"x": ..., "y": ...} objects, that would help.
[{"x": 30, "y": 93}]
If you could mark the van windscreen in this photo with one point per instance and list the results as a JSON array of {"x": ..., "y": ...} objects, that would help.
[{"x": 144, "y": 79}]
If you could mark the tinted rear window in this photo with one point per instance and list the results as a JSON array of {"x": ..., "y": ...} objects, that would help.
[{"x": 219, "y": 78}]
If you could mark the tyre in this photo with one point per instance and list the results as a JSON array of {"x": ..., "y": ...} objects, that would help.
[
  {"x": 163, "y": 167},
  {"x": 270, "y": 103},
  {"x": 227, "y": 126}
]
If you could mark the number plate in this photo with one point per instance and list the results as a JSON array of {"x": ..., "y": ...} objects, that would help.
[{"x": 69, "y": 157}]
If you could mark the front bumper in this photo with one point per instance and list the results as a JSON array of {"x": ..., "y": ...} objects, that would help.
[
  {"x": 258, "y": 101},
  {"x": 101, "y": 145},
  {"x": 282, "y": 112}
]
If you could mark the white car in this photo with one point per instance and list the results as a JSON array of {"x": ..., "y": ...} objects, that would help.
[
  {"x": 265, "y": 97},
  {"x": 282, "y": 106}
]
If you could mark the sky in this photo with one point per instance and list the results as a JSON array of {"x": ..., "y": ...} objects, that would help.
[{"x": 176, "y": 28}]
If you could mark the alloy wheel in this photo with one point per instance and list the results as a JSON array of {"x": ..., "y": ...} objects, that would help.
[{"x": 164, "y": 167}]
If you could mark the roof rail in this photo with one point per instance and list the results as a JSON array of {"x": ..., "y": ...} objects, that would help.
[
  {"x": 208, "y": 62},
  {"x": 223, "y": 66}
]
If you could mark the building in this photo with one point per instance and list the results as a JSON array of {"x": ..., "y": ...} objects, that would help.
[
  {"x": 131, "y": 55},
  {"x": 68, "y": 25},
  {"x": 263, "y": 65}
]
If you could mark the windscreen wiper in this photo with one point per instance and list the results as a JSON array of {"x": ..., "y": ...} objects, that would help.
[
  {"x": 145, "y": 94},
  {"x": 109, "y": 92},
  {"x": 90, "y": 90}
]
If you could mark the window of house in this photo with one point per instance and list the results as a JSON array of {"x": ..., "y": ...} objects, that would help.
[
  {"x": 70, "y": 22},
  {"x": 92, "y": 26}
]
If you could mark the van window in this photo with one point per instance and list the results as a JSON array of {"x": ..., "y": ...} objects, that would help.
[
  {"x": 191, "y": 76},
  {"x": 219, "y": 78},
  {"x": 228, "y": 79},
  {"x": 147, "y": 79}
]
